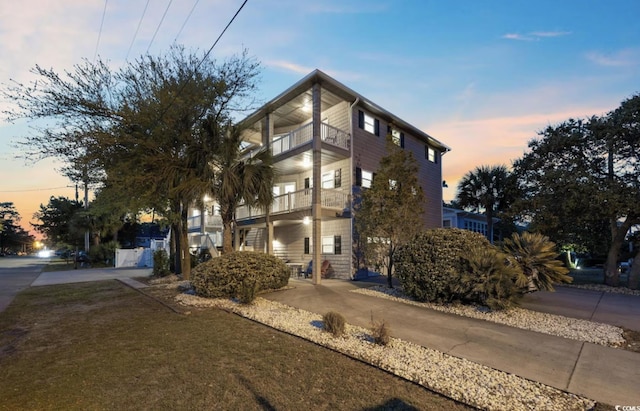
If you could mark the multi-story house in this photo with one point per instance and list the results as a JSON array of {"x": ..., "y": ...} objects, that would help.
[
  {"x": 466, "y": 220},
  {"x": 327, "y": 141}
]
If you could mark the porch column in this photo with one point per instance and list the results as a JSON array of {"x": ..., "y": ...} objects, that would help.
[
  {"x": 266, "y": 141},
  {"x": 316, "y": 193}
]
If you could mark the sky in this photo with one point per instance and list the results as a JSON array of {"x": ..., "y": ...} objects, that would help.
[{"x": 483, "y": 77}]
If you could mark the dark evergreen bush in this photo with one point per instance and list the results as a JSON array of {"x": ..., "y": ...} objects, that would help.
[
  {"x": 232, "y": 274},
  {"x": 160, "y": 263},
  {"x": 431, "y": 265}
]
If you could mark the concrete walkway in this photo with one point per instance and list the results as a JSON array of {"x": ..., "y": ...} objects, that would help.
[{"x": 601, "y": 373}]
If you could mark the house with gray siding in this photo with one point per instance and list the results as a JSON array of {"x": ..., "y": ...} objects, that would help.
[{"x": 327, "y": 142}]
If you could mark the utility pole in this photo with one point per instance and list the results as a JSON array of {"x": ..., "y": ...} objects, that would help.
[{"x": 86, "y": 206}]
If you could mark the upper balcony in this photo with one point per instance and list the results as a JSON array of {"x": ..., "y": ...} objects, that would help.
[{"x": 330, "y": 135}]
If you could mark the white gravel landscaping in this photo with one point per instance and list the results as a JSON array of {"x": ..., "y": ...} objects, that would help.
[
  {"x": 463, "y": 380},
  {"x": 558, "y": 325}
]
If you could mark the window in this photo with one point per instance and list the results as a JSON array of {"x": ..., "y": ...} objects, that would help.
[
  {"x": 368, "y": 123},
  {"x": 328, "y": 245},
  {"x": 337, "y": 178},
  {"x": 430, "y": 154},
  {"x": 327, "y": 180},
  {"x": 397, "y": 137},
  {"x": 367, "y": 179},
  {"x": 307, "y": 245},
  {"x": 393, "y": 184},
  {"x": 337, "y": 244},
  {"x": 307, "y": 182}
]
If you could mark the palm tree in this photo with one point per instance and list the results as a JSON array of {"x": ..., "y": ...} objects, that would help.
[
  {"x": 537, "y": 256},
  {"x": 240, "y": 177},
  {"x": 486, "y": 188}
]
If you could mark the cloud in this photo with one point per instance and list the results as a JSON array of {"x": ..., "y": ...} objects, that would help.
[
  {"x": 535, "y": 35},
  {"x": 289, "y": 66},
  {"x": 621, "y": 58}
]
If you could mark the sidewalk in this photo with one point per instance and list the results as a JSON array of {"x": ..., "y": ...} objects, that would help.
[
  {"x": 600, "y": 373},
  {"x": 90, "y": 274}
]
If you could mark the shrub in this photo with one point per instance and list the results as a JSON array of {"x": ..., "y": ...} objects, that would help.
[
  {"x": 248, "y": 291},
  {"x": 429, "y": 266},
  {"x": 537, "y": 257},
  {"x": 104, "y": 253},
  {"x": 334, "y": 323},
  {"x": 160, "y": 263},
  {"x": 380, "y": 332},
  {"x": 495, "y": 280},
  {"x": 230, "y": 274}
]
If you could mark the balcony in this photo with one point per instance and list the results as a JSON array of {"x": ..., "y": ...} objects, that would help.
[
  {"x": 300, "y": 200},
  {"x": 302, "y": 135},
  {"x": 211, "y": 222}
]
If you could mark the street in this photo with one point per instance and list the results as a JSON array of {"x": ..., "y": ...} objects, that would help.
[{"x": 16, "y": 274}]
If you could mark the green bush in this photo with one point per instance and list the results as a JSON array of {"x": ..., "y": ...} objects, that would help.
[
  {"x": 231, "y": 274},
  {"x": 160, "y": 263},
  {"x": 537, "y": 257},
  {"x": 334, "y": 323},
  {"x": 104, "y": 253},
  {"x": 430, "y": 266},
  {"x": 495, "y": 279}
]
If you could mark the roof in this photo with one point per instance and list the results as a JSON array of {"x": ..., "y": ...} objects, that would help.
[{"x": 338, "y": 89}]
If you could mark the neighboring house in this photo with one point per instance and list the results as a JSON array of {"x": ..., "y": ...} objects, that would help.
[
  {"x": 327, "y": 142},
  {"x": 454, "y": 218}
]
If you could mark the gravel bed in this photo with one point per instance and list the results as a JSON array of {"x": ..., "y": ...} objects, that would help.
[
  {"x": 558, "y": 325},
  {"x": 458, "y": 378}
]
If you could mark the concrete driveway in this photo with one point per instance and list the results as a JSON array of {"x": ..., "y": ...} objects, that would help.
[{"x": 16, "y": 274}]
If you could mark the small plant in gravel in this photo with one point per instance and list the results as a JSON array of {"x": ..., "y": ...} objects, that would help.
[
  {"x": 380, "y": 332},
  {"x": 334, "y": 323}
]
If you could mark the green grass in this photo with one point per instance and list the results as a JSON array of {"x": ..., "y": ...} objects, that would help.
[{"x": 104, "y": 346}]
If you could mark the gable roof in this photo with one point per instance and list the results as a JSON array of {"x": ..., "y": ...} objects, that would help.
[{"x": 341, "y": 91}]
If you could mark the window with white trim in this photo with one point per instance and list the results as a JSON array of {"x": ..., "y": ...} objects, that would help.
[
  {"x": 367, "y": 178},
  {"x": 328, "y": 244},
  {"x": 328, "y": 179}
]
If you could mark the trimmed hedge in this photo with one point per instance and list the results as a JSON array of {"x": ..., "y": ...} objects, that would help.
[
  {"x": 230, "y": 274},
  {"x": 430, "y": 266}
]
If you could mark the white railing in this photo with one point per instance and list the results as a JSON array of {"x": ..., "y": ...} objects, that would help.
[
  {"x": 335, "y": 136},
  {"x": 329, "y": 134},
  {"x": 195, "y": 222},
  {"x": 297, "y": 200},
  {"x": 293, "y": 139}
]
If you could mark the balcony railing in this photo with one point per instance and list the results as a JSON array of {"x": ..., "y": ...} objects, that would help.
[
  {"x": 329, "y": 134},
  {"x": 297, "y": 200},
  {"x": 210, "y": 221}
]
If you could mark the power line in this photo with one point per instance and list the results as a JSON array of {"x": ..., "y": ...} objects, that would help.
[
  {"x": 104, "y": 12},
  {"x": 159, "y": 24},
  {"x": 34, "y": 189},
  {"x": 185, "y": 21},
  {"x": 202, "y": 61},
  {"x": 137, "y": 29}
]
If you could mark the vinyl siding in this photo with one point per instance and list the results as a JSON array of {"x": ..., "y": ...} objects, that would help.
[{"x": 368, "y": 150}]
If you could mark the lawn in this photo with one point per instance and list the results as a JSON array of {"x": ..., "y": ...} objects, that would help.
[{"x": 105, "y": 346}]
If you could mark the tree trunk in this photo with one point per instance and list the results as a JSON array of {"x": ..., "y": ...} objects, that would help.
[
  {"x": 186, "y": 253},
  {"x": 489, "y": 215},
  {"x": 618, "y": 233},
  {"x": 175, "y": 227},
  {"x": 227, "y": 237}
]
